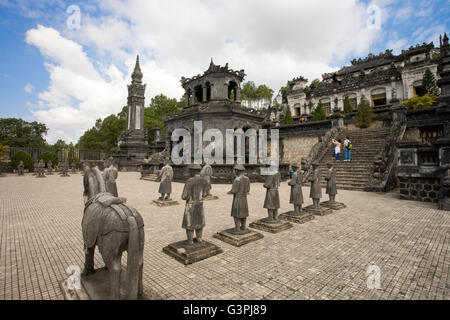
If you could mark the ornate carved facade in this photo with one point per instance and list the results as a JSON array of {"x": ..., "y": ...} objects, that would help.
[{"x": 382, "y": 79}]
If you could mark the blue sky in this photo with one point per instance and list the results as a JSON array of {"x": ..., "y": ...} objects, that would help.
[{"x": 67, "y": 78}]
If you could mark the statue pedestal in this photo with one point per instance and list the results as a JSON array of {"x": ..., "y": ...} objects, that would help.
[
  {"x": 64, "y": 176},
  {"x": 41, "y": 177},
  {"x": 49, "y": 173},
  {"x": 190, "y": 253},
  {"x": 321, "y": 211},
  {"x": 96, "y": 287},
  {"x": 210, "y": 197},
  {"x": 165, "y": 203},
  {"x": 238, "y": 239},
  {"x": 333, "y": 205},
  {"x": 270, "y": 226},
  {"x": 300, "y": 218}
]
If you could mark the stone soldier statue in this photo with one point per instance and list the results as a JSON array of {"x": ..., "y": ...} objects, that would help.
[
  {"x": 20, "y": 169},
  {"x": 165, "y": 176},
  {"x": 41, "y": 168},
  {"x": 296, "y": 189},
  {"x": 74, "y": 167},
  {"x": 331, "y": 182},
  {"x": 207, "y": 173},
  {"x": 194, "y": 215},
  {"x": 35, "y": 168},
  {"x": 49, "y": 167},
  {"x": 316, "y": 189},
  {"x": 240, "y": 189},
  {"x": 272, "y": 200},
  {"x": 110, "y": 175},
  {"x": 65, "y": 168}
]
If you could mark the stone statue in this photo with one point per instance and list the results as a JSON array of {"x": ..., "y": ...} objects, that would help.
[
  {"x": 20, "y": 167},
  {"x": 207, "y": 173},
  {"x": 35, "y": 168},
  {"x": 65, "y": 168},
  {"x": 316, "y": 189},
  {"x": 331, "y": 182},
  {"x": 49, "y": 167},
  {"x": 110, "y": 175},
  {"x": 114, "y": 227},
  {"x": 74, "y": 167},
  {"x": 41, "y": 169},
  {"x": 240, "y": 189},
  {"x": 165, "y": 176},
  {"x": 296, "y": 189},
  {"x": 194, "y": 216},
  {"x": 272, "y": 200}
]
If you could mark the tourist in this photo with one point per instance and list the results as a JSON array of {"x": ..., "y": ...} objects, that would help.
[
  {"x": 337, "y": 149},
  {"x": 291, "y": 173},
  {"x": 347, "y": 149}
]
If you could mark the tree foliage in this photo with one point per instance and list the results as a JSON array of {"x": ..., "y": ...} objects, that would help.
[
  {"x": 2, "y": 151},
  {"x": 347, "y": 107},
  {"x": 60, "y": 144},
  {"x": 251, "y": 92},
  {"x": 364, "y": 114},
  {"x": 20, "y": 133},
  {"x": 319, "y": 113},
  {"x": 21, "y": 156},
  {"x": 429, "y": 83},
  {"x": 160, "y": 106},
  {"x": 105, "y": 134},
  {"x": 49, "y": 156},
  {"x": 423, "y": 102},
  {"x": 288, "y": 117}
]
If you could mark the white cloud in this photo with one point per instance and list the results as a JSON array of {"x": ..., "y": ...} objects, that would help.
[
  {"x": 28, "y": 88},
  {"x": 272, "y": 40}
]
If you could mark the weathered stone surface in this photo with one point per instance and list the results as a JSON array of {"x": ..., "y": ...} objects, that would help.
[
  {"x": 321, "y": 211},
  {"x": 270, "y": 226},
  {"x": 333, "y": 205},
  {"x": 301, "y": 218},
  {"x": 165, "y": 203},
  {"x": 188, "y": 254},
  {"x": 238, "y": 239}
]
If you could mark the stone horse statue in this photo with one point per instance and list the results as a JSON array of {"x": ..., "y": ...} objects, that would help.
[{"x": 114, "y": 227}]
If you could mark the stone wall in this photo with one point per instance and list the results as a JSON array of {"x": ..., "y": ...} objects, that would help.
[
  {"x": 420, "y": 189},
  {"x": 295, "y": 148}
]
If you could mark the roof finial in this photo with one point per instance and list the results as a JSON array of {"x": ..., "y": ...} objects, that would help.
[
  {"x": 137, "y": 73},
  {"x": 137, "y": 66},
  {"x": 445, "y": 39}
]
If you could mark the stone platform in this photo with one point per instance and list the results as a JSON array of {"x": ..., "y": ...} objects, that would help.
[
  {"x": 188, "y": 254},
  {"x": 238, "y": 239},
  {"x": 322, "y": 211},
  {"x": 41, "y": 177},
  {"x": 165, "y": 203},
  {"x": 272, "y": 227},
  {"x": 210, "y": 197},
  {"x": 300, "y": 218},
  {"x": 333, "y": 205}
]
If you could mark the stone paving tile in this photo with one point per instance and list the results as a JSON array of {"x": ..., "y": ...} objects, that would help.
[{"x": 326, "y": 258}]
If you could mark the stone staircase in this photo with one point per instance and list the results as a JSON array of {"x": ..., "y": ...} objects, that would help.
[{"x": 355, "y": 174}]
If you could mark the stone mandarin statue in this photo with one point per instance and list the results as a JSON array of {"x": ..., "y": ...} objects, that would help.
[
  {"x": 110, "y": 175},
  {"x": 165, "y": 176},
  {"x": 207, "y": 173},
  {"x": 20, "y": 167},
  {"x": 316, "y": 189},
  {"x": 296, "y": 182},
  {"x": 272, "y": 200},
  {"x": 194, "y": 215},
  {"x": 331, "y": 182},
  {"x": 41, "y": 169},
  {"x": 240, "y": 189},
  {"x": 49, "y": 167}
]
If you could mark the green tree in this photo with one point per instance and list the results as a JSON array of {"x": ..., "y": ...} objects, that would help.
[
  {"x": 60, "y": 144},
  {"x": 364, "y": 114},
  {"x": 347, "y": 107},
  {"x": 429, "y": 83},
  {"x": 160, "y": 106},
  {"x": 319, "y": 113},
  {"x": 49, "y": 156},
  {"x": 416, "y": 102},
  {"x": 288, "y": 118},
  {"x": 21, "y": 156},
  {"x": 2, "y": 151},
  {"x": 20, "y": 133},
  {"x": 251, "y": 92}
]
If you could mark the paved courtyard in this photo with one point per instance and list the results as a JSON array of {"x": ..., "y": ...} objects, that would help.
[{"x": 327, "y": 258}]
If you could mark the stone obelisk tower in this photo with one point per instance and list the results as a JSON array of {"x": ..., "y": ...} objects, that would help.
[{"x": 134, "y": 142}]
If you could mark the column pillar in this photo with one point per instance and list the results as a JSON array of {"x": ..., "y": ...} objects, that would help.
[
  {"x": 186, "y": 99},
  {"x": 238, "y": 93},
  {"x": 204, "y": 88}
]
